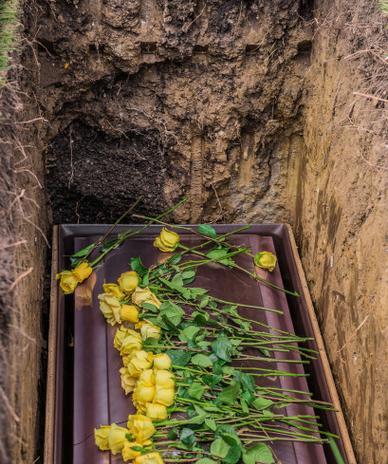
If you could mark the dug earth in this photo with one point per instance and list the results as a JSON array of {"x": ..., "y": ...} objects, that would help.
[{"x": 257, "y": 111}]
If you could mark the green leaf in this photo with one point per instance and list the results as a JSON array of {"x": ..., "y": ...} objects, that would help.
[
  {"x": 179, "y": 357},
  {"x": 232, "y": 310},
  {"x": 228, "y": 370},
  {"x": 217, "y": 364},
  {"x": 188, "y": 276},
  {"x": 79, "y": 255},
  {"x": 137, "y": 448},
  {"x": 83, "y": 251},
  {"x": 177, "y": 285},
  {"x": 110, "y": 244},
  {"x": 210, "y": 407},
  {"x": 204, "y": 301},
  {"x": 207, "y": 230},
  {"x": 199, "y": 410},
  {"x": 206, "y": 461},
  {"x": 158, "y": 321},
  {"x": 137, "y": 265},
  {"x": 244, "y": 405},
  {"x": 200, "y": 317},
  {"x": 199, "y": 419},
  {"x": 247, "y": 381},
  {"x": 189, "y": 333},
  {"x": 211, "y": 379},
  {"x": 204, "y": 345},
  {"x": 229, "y": 394},
  {"x": 245, "y": 325},
  {"x": 172, "y": 434},
  {"x": 211, "y": 424},
  {"x": 150, "y": 343},
  {"x": 201, "y": 360},
  {"x": 196, "y": 390},
  {"x": 228, "y": 429},
  {"x": 150, "y": 307},
  {"x": 235, "y": 342},
  {"x": 175, "y": 259},
  {"x": 260, "y": 453},
  {"x": 195, "y": 292},
  {"x": 247, "y": 396},
  {"x": 219, "y": 448},
  {"x": 129, "y": 437},
  {"x": 262, "y": 403},
  {"x": 187, "y": 437},
  {"x": 230, "y": 436},
  {"x": 222, "y": 348},
  {"x": 146, "y": 280},
  {"x": 233, "y": 455},
  {"x": 219, "y": 255},
  {"x": 171, "y": 313}
]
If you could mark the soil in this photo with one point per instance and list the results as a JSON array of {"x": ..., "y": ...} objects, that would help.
[
  {"x": 258, "y": 111},
  {"x": 174, "y": 97}
]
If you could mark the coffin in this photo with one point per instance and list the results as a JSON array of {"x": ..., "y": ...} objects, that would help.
[{"x": 83, "y": 384}]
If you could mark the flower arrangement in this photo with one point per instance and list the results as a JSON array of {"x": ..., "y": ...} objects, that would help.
[{"x": 186, "y": 361}]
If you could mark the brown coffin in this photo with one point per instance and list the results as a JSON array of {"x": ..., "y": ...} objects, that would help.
[{"x": 83, "y": 381}]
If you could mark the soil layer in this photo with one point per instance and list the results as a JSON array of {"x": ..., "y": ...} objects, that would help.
[{"x": 163, "y": 98}]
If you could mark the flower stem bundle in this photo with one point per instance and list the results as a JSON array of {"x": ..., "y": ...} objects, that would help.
[{"x": 194, "y": 364}]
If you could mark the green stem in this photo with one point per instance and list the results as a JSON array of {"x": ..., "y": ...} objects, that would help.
[
  {"x": 335, "y": 450},
  {"x": 236, "y": 266},
  {"x": 129, "y": 234}
]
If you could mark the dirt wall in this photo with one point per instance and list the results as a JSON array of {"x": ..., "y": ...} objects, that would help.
[
  {"x": 162, "y": 98},
  {"x": 340, "y": 210},
  {"x": 23, "y": 244}
]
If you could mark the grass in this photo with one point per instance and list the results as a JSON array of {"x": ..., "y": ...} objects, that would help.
[
  {"x": 384, "y": 6},
  {"x": 8, "y": 24}
]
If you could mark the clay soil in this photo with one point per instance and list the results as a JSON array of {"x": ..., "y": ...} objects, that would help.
[{"x": 258, "y": 111}]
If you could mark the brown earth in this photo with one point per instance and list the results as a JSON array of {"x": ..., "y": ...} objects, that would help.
[{"x": 254, "y": 109}]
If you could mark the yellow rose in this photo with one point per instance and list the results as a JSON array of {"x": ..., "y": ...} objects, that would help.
[
  {"x": 139, "y": 361},
  {"x": 155, "y": 411},
  {"x": 128, "y": 453},
  {"x": 164, "y": 379},
  {"x": 140, "y": 407},
  {"x": 147, "y": 377},
  {"x": 120, "y": 334},
  {"x": 114, "y": 290},
  {"x": 265, "y": 260},
  {"x": 128, "y": 281},
  {"x": 167, "y": 240},
  {"x": 101, "y": 436},
  {"x": 162, "y": 361},
  {"x": 116, "y": 438},
  {"x": 148, "y": 330},
  {"x": 149, "y": 458},
  {"x": 82, "y": 271},
  {"x": 125, "y": 359},
  {"x": 144, "y": 295},
  {"x": 110, "y": 308},
  {"x": 129, "y": 313},
  {"x": 144, "y": 390},
  {"x": 164, "y": 396},
  {"x": 128, "y": 382},
  {"x": 131, "y": 342},
  {"x": 142, "y": 394},
  {"x": 67, "y": 281},
  {"x": 140, "y": 427}
]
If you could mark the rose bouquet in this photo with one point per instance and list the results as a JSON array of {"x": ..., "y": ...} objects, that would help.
[{"x": 184, "y": 356}]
